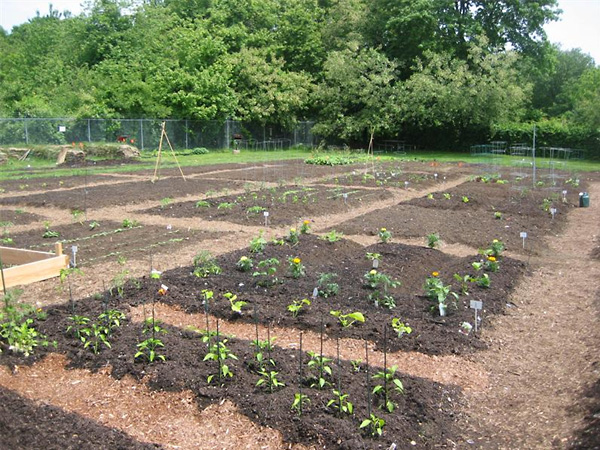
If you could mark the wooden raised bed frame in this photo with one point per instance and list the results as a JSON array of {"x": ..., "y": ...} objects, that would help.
[{"x": 28, "y": 266}]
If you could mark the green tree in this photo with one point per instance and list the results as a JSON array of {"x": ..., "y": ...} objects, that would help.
[{"x": 358, "y": 94}]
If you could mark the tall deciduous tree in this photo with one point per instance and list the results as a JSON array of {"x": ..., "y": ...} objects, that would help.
[{"x": 358, "y": 94}]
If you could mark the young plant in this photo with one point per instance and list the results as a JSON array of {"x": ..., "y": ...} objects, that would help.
[
  {"x": 305, "y": 227},
  {"x": 148, "y": 348},
  {"x": 202, "y": 204},
  {"x": 340, "y": 403},
  {"x": 326, "y": 287},
  {"x": 266, "y": 272},
  {"x": 78, "y": 216},
  {"x": 253, "y": 210},
  {"x": 464, "y": 281},
  {"x": 492, "y": 264},
  {"x": 384, "y": 235},
  {"x": 79, "y": 323},
  {"x": 433, "y": 240},
  {"x": 293, "y": 236},
  {"x": 258, "y": 244},
  {"x": 164, "y": 202},
  {"x": 219, "y": 352},
  {"x": 296, "y": 306},
  {"x": 225, "y": 205},
  {"x": 296, "y": 267},
  {"x": 437, "y": 291},
  {"x": 390, "y": 382},
  {"x": 332, "y": 236},
  {"x": 373, "y": 425},
  {"x": 48, "y": 234},
  {"x": 380, "y": 284},
  {"x": 495, "y": 249},
  {"x": 236, "y": 305},
  {"x": 320, "y": 365},
  {"x": 400, "y": 327},
  {"x": 465, "y": 199},
  {"x": 205, "y": 264},
  {"x": 128, "y": 223},
  {"x": 245, "y": 264},
  {"x": 373, "y": 256},
  {"x": 269, "y": 380},
  {"x": 300, "y": 400},
  {"x": 95, "y": 335},
  {"x": 347, "y": 320},
  {"x": 483, "y": 281},
  {"x": 260, "y": 348},
  {"x": 16, "y": 327},
  {"x": 111, "y": 319}
]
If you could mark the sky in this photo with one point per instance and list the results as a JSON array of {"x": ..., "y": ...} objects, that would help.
[{"x": 578, "y": 28}]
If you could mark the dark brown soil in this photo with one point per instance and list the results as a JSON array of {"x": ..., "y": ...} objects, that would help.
[
  {"x": 34, "y": 425},
  {"x": 112, "y": 241},
  {"x": 285, "y": 206},
  {"x": 474, "y": 222}
]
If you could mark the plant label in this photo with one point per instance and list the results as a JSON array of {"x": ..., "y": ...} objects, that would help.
[
  {"x": 62, "y": 129},
  {"x": 266, "y": 213},
  {"x": 375, "y": 263},
  {"x": 169, "y": 227},
  {"x": 345, "y": 196},
  {"x": 406, "y": 185},
  {"x": 476, "y": 304},
  {"x": 74, "y": 249},
  {"x": 435, "y": 175},
  {"x": 553, "y": 212},
  {"x": 315, "y": 293},
  {"x": 523, "y": 234}
]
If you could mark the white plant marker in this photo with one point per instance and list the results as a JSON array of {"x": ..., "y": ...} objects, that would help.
[
  {"x": 345, "y": 197},
  {"x": 553, "y": 212},
  {"x": 406, "y": 185},
  {"x": 266, "y": 214},
  {"x": 315, "y": 293},
  {"x": 564, "y": 196},
  {"x": 74, "y": 250},
  {"x": 169, "y": 227},
  {"x": 375, "y": 263},
  {"x": 435, "y": 175},
  {"x": 476, "y": 305},
  {"x": 523, "y": 235}
]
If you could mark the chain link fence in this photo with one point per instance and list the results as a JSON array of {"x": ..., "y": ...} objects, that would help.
[{"x": 145, "y": 133}]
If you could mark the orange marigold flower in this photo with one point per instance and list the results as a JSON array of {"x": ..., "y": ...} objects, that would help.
[{"x": 435, "y": 274}]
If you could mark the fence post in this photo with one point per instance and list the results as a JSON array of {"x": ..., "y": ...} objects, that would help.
[
  {"x": 89, "y": 131},
  {"x": 26, "y": 132},
  {"x": 227, "y": 134},
  {"x": 186, "y": 135},
  {"x": 142, "y": 133}
]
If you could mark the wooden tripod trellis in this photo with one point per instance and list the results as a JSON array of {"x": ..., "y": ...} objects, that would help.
[{"x": 163, "y": 135}]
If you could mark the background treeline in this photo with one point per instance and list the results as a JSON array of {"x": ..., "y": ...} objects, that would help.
[{"x": 438, "y": 73}]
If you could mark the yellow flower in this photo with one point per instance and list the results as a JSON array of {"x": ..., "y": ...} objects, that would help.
[
  {"x": 306, "y": 222},
  {"x": 383, "y": 230},
  {"x": 296, "y": 260},
  {"x": 495, "y": 241},
  {"x": 373, "y": 272},
  {"x": 162, "y": 291},
  {"x": 243, "y": 258},
  {"x": 435, "y": 274},
  {"x": 491, "y": 258}
]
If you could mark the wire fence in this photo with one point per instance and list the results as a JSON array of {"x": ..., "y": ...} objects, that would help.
[{"x": 145, "y": 133}]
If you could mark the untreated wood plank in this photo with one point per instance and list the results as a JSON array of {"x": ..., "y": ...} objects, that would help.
[
  {"x": 17, "y": 256},
  {"x": 35, "y": 271}
]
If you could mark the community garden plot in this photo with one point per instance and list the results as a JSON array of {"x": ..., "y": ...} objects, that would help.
[
  {"x": 286, "y": 205},
  {"x": 473, "y": 212},
  {"x": 127, "y": 329}
]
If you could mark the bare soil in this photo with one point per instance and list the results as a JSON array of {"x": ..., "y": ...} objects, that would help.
[{"x": 510, "y": 385}]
